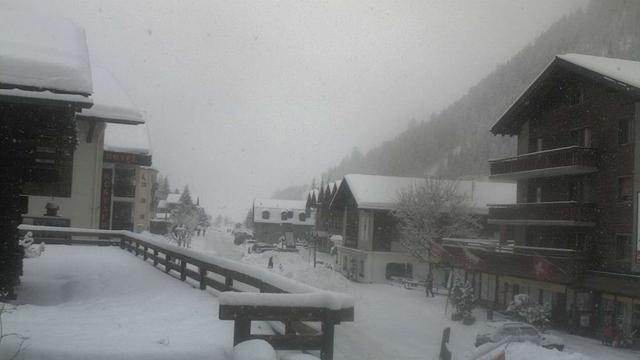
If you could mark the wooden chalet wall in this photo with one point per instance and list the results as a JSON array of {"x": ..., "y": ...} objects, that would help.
[{"x": 554, "y": 121}]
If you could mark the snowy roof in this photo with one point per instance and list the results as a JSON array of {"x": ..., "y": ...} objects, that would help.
[
  {"x": 43, "y": 53},
  {"x": 623, "y": 75},
  {"x": 173, "y": 199},
  {"x": 381, "y": 192},
  {"x": 280, "y": 204},
  {"x": 275, "y": 207},
  {"x": 162, "y": 204},
  {"x": 625, "y": 71},
  {"x": 127, "y": 139},
  {"x": 110, "y": 102}
]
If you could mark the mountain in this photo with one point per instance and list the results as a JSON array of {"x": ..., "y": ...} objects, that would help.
[{"x": 456, "y": 142}]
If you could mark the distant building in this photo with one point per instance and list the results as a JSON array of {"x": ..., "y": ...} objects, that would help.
[
  {"x": 371, "y": 251},
  {"x": 127, "y": 169},
  {"x": 327, "y": 223},
  {"x": 272, "y": 217},
  {"x": 161, "y": 221}
]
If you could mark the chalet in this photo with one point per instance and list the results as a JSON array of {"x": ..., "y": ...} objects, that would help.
[
  {"x": 272, "y": 218},
  {"x": 571, "y": 238},
  {"x": 45, "y": 78},
  {"x": 326, "y": 224},
  {"x": 161, "y": 221},
  {"x": 371, "y": 251}
]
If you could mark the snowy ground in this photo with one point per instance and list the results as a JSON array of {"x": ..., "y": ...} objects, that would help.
[
  {"x": 391, "y": 321},
  {"x": 88, "y": 302},
  {"x": 84, "y": 302}
]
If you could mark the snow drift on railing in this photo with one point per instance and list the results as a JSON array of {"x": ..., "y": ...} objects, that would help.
[
  {"x": 319, "y": 299},
  {"x": 325, "y": 298}
]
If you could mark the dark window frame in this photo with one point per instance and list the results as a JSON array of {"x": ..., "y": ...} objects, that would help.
[
  {"x": 625, "y": 131},
  {"x": 624, "y": 197}
]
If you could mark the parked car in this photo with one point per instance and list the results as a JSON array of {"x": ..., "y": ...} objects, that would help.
[
  {"x": 518, "y": 332},
  {"x": 240, "y": 236},
  {"x": 262, "y": 247}
]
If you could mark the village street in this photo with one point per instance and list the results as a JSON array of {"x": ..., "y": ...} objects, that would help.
[{"x": 391, "y": 322}]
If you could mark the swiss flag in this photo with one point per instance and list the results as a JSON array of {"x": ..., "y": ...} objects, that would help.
[{"x": 541, "y": 268}]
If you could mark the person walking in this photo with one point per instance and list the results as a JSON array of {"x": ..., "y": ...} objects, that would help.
[
  {"x": 270, "y": 264},
  {"x": 428, "y": 285}
]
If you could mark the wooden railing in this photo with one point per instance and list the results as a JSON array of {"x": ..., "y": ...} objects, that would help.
[
  {"x": 560, "y": 157},
  {"x": 567, "y": 211},
  {"x": 230, "y": 276}
]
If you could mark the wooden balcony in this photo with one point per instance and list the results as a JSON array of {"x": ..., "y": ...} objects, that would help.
[
  {"x": 560, "y": 213},
  {"x": 571, "y": 160}
]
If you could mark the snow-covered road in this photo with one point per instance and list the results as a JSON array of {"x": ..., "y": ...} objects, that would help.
[{"x": 390, "y": 322}]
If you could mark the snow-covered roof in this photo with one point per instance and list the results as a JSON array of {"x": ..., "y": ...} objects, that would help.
[
  {"x": 173, "y": 199},
  {"x": 162, "y": 204},
  {"x": 625, "y": 71},
  {"x": 43, "y": 53},
  {"x": 279, "y": 204},
  {"x": 110, "y": 102},
  {"x": 275, "y": 207},
  {"x": 127, "y": 139},
  {"x": 623, "y": 75},
  {"x": 382, "y": 192}
]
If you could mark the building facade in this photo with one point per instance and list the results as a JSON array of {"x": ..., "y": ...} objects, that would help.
[
  {"x": 571, "y": 239},
  {"x": 272, "y": 218},
  {"x": 371, "y": 251},
  {"x": 127, "y": 179}
]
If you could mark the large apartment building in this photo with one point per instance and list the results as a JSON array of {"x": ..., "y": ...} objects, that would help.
[{"x": 577, "y": 200}]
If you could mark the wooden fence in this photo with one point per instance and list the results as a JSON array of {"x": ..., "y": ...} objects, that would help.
[{"x": 230, "y": 276}]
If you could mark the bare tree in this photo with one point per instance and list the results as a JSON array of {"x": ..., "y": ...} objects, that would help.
[{"x": 431, "y": 211}]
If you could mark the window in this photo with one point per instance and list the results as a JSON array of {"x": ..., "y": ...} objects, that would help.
[
  {"x": 625, "y": 131},
  {"x": 266, "y": 215},
  {"x": 575, "y": 96},
  {"x": 623, "y": 247},
  {"x": 302, "y": 217},
  {"x": 361, "y": 272},
  {"x": 581, "y": 137},
  {"x": 124, "y": 182},
  {"x": 625, "y": 188}
]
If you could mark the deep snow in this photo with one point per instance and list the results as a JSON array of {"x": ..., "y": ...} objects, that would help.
[
  {"x": 392, "y": 322},
  {"x": 89, "y": 302}
]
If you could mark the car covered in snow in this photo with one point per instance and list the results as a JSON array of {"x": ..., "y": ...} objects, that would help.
[
  {"x": 260, "y": 247},
  {"x": 240, "y": 236},
  {"x": 518, "y": 332}
]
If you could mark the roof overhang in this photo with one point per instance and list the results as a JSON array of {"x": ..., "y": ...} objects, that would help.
[{"x": 510, "y": 121}]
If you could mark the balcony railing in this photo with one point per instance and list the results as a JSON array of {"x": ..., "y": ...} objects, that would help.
[
  {"x": 556, "y": 162},
  {"x": 566, "y": 213}
]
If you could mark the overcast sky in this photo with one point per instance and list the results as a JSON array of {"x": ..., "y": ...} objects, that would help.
[{"x": 245, "y": 97}]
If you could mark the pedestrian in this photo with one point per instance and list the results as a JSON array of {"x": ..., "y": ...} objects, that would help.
[
  {"x": 270, "y": 264},
  {"x": 428, "y": 285},
  {"x": 607, "y": 334}
]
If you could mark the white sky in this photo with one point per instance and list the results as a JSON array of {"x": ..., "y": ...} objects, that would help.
[{"x": 245, "y": 97}]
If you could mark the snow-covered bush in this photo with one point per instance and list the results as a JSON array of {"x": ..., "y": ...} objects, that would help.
[
  {"x": 463, "y": 299},
  {"x": 524, "y": 309},
  {"x": 30, "y": 249}
]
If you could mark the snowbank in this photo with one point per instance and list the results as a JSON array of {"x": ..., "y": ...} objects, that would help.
[
  {"x": 299, "y": 267},
  {"x": 43, "y": 52},
  {"x": 99, "y": 303},
  {"x": 253, "y": 350},
  {"x": 530, "y": 351}
]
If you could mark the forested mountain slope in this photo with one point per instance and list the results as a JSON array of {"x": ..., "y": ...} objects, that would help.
[{"x": 457, "y": 142}]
